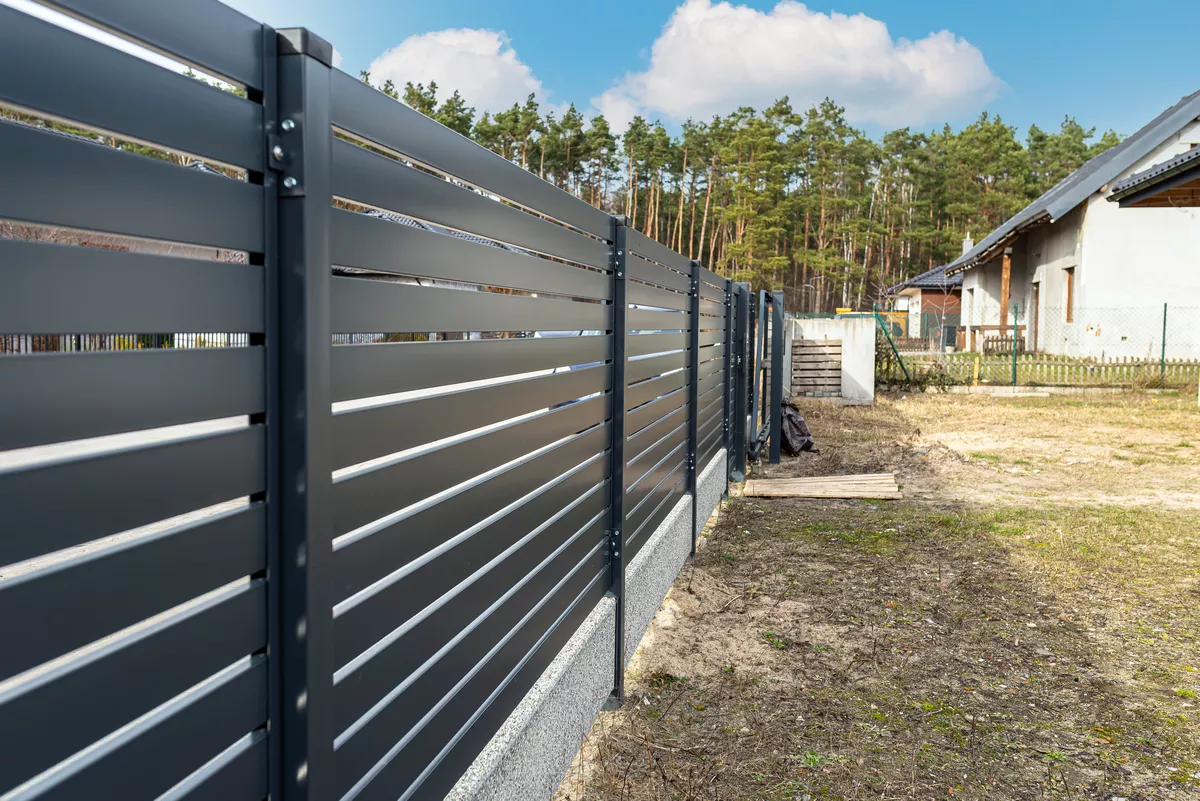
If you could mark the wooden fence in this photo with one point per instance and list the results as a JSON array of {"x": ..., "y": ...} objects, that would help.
[{"x": 1039, "y": 369}]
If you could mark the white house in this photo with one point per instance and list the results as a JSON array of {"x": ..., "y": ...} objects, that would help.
[{"x": 1083, "y": 276}]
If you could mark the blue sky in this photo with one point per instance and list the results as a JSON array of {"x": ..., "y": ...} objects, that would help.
[{"x": 1110, "y": 64}]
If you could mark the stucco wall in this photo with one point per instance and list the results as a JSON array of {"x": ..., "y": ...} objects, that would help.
[{"x": 1128, "y": 262}]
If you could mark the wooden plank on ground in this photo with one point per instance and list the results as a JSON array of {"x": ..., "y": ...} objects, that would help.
[{"x": 874, "y": 485}]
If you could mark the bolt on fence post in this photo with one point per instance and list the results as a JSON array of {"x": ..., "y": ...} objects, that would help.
[
  {"x": 1162, "y": 362},
  {"x": 303, "y": 461},
  {"x": 776, "y": 375},
  {"x": 694, "y": 395},
  {"x": 616, "y": 526}
]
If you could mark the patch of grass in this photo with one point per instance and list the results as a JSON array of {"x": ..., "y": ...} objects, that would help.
[
  {"x": 1185, "y": 692},
  {"x": 1183, "y": 443},
  {"x": 776, "y": 641},
  {"x": 990, "y": 458}
]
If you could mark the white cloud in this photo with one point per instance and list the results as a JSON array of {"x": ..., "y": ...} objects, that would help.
[
  {"x": 480, "y": 64},
  {"x": 337, "y": 58},
  {"x": 711, "y": 58}
]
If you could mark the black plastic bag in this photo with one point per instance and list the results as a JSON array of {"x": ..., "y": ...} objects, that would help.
[{"x": 796, "y": 436}]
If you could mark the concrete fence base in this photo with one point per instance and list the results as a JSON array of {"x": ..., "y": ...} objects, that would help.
[{"x": 528, "y": 757}]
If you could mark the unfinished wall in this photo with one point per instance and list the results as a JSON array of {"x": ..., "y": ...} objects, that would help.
[{"x": 857, "y": 335}]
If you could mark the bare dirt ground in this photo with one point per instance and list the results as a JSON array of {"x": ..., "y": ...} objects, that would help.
[{"x": 1024, "y": 625}]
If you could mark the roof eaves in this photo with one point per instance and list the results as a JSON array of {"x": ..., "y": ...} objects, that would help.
[{"x": 1181, "y": 166}]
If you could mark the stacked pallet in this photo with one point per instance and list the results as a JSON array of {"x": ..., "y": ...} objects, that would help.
[
  {"x": 881, "y": 486},
  {"x": 817, "y": 368}
]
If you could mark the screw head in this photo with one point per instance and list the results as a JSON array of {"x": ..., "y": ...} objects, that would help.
[
  {"x": 289, "y": 182},
  {"x": 277, "y": 152},
  {"x": 287, "y": 125}
]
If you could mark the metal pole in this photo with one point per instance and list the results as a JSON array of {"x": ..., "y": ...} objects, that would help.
[
  {"x": 1162, "y": 361},
  {"x": 1016, "y": 336},
  {"x": 776, "y": 375},
  {"x": 726, "y": 399},
  {"x": 693, "y": 380},
  {"x": 886, "y": 333},
  {"x": 743, "y": 363},
  {"x": 304, "y": 460},
  {"x": 616, "y": 526}
]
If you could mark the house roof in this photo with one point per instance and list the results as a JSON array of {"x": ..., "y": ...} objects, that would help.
[
  {"x": 1169, "y": 175},
  {"x": 930, "y": 279},
  {"x": 1084, "y": 182}
]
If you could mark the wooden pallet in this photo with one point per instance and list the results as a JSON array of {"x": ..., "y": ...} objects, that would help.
[{"x": 871, "y": 485}]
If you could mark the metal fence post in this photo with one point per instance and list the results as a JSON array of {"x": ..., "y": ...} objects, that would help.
[
  {"x": 776, "y": 375},
  {"x": 741, "y": 399},
  {"x": 728, "y": 389},
  {"x": 616, "y": 528},
  {"x": 1016, "y": 308},
  {"x": 1162, "y": 362},
  {"x": 694, "y": 396},
  {"x": 301, "y": 150}
]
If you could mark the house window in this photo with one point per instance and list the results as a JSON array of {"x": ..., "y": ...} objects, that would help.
[{"x": 1070, "y": 294}]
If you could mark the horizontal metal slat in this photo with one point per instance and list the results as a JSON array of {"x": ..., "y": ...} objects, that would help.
[
  {"x": 367, "y": 496},
  {"x": 637, "y": 420},
  {"x": 384, "y": 672},
  {"x": 672, "y": 478},
  {"x": 361, "y": 175},
  {"x": 712, "y": 398},
  {"x": 641, "y": 319},
  {"x": 646, "y": 295},
  {"x": 644, "y": 270},
  {"x": 712, "y": 293},
  {"x": 356, "y": 695},
  {"x": 367, "y": 113},
  {"x": 79, "y": 184},
  {"x": 377, "y": 556},
  {"x": 364, "y": 434},
  {"x": 709, "y": 450},
  {"x": 74, "y": 705},
  {"x": 709, "y": 381},
  {"x": 646, "y": 522},
  {"x": 641, "y": 369},
  {"x": 652, "y": 249},
  {"x": 710, "y": 352},
  {"x": 362, "y": 371},
  {"x": 242, "y": 774},
  {"x": 644, "y": 344},
  {"x": 709, "y": 428},
  {"x": 511, "y": 669},
  {"x": 638, "y": 444},
  {"x": 123, "y": 94},
  {"x": 442, "y": 779},
  {"x": 654, "y": 388},
  {"x": 357, "y": 304},
  {"x": 53, "y": 289},
  {"x": 150, "y": 758},
  {"x": 58, "y": 397},
  {"x": 40, "y": 612},
  {"x": 60, "y": 504},
  {"x": 373, "y": 243},
  {"x": 205, "y": 34},
  {"x": 707, "y": 276},
  {"x": 705, "y": 424},
  {"x": 712, "y": 308},
  {"x": 639, "y": 478},
  {"x": 710, "y": 337}
]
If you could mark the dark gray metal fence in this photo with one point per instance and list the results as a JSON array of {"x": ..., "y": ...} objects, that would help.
[{"x": 304, "y": 568}]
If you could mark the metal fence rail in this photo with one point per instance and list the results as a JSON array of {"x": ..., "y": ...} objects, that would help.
[{"x": 325, "y": 555}]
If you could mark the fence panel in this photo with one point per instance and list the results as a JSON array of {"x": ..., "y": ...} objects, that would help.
[
  {"x": 448, "y": 402},
  {"x": 135, "y": 608}
]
